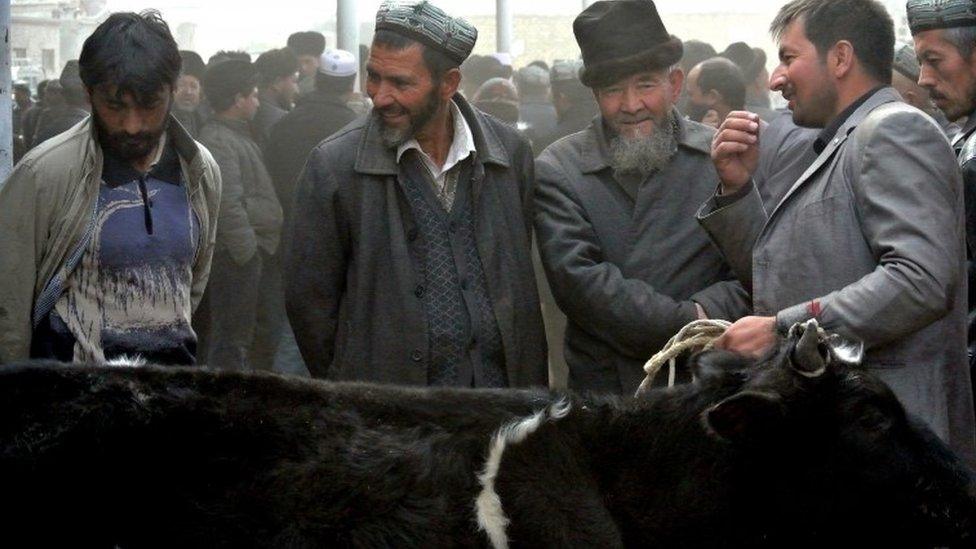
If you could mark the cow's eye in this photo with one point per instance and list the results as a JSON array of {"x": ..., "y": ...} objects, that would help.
[{"x": 874, "y": 420}]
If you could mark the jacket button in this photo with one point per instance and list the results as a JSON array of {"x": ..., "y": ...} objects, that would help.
[
  {"x": 416, "y": 355},
  {"x": 465, "y": 284},
  {"x": 419, "y": 291},
  {"x": 412, "y": 235},
  {"x": 452, "y": 227}
]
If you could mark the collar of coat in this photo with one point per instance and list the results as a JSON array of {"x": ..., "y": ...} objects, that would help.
[
  {"x": 596, "y": 156},
  {"x": 375, "y": 158}
]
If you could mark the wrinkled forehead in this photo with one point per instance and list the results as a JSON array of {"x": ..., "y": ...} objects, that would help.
[
  {"x": 108, "y": 91},
  {"x": 934, "y": 41}
]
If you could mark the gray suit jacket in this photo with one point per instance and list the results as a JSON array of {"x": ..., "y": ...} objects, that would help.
[{"x": 870, "y": 241}]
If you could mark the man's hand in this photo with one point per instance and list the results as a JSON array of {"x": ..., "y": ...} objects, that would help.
[
  {"x": 735, "y": 150},
  {"x": 750, "y": 336}
]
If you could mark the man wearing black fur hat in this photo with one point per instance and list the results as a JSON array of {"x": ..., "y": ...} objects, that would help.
[
  {"x": 408, "y": 257},
  {"x": 308, "y": 47},
  {"x": 616, "y": 202}
]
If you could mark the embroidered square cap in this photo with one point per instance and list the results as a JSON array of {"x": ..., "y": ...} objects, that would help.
[
  {"x": 926, "y": 15},
  {"x": 429, "y": 25}
]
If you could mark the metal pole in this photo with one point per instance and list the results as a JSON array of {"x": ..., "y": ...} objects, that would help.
[
  {"x": 503, "y": 22},
  {"x": 347, "y": 27},
  {"x": 6, "y": 92}
]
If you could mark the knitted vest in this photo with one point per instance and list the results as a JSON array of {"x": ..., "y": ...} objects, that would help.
[{"x": 465, "y": 345}]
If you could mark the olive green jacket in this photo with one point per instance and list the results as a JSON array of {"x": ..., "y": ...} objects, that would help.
[{"x": 47, "y": 206}]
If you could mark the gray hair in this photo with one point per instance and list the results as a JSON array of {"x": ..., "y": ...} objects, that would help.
[{"x": 963, "y": 39}]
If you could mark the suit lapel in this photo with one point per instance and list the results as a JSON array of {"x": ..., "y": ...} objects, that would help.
[{"x": 881, "y": 97}]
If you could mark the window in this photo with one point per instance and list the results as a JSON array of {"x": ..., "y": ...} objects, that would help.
[
  {"x": 48, "y": 62},
  {"x": 19, "y": 53}
]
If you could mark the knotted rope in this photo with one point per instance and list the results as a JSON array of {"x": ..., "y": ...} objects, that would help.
[{"x": 697, "y": 336}]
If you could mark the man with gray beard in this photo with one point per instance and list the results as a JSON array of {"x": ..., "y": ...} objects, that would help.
[
  {"x": 408, "y": 258},
  {"x": 616, "y": 205}
]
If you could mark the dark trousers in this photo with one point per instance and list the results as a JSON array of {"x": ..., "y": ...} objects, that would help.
[
  {"x": 233, "y": 294},
  {"x": 271, "y": 317}
]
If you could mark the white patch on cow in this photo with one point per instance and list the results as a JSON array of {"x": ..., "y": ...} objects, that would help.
[
  {"x": 847, "y": 351},
  {"x": 491, "y": 516},
  {"x": 125, "y": 361}
]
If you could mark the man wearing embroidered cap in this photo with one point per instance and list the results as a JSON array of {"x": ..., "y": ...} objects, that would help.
[
  {"x": 409, "y": 253},
  {"x": 945, "y": 40},
  {"x": 615, "y": 206}
]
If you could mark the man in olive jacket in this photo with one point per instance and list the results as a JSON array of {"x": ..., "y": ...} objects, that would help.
[
  {"x": 244, "y": 319},
  {"x": 66, "y": 209},
  {"x": 409, "y": 247}
]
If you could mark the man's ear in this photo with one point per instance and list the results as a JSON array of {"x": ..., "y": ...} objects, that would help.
[
  {"x": 745, "y": 417},
  {"x": 841, "y": 59},
  {"x": 676, "y": 78},
  {"x": 714, "y": 98},
  {"x": 450, "y": 83}
]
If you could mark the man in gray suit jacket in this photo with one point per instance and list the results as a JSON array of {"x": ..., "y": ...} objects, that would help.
[{"x": 870, "y": 239}]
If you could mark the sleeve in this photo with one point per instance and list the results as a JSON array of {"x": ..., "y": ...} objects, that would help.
[
  {"x": 315, "y": 264},
  {"x": 23, "y": 229},
  {"x": 627, "y": 314},
  {"x": 733, "y": 223},
  {"x": 726, "y": 300},
  {"x": 201, "y": 269},
  {"x": 233, "y": 227},
  {"x": 908, "y": 194}
]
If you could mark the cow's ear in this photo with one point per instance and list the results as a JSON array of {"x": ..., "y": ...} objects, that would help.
[{"x": 745, "y": 417}]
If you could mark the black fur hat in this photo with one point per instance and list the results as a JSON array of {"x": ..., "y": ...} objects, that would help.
[
  {"x": 193, "y": 64},
  {"x": 621, "y": 37},
  {"x": 307, "y": 43}
]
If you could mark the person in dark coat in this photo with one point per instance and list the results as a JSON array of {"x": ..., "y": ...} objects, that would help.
[
  {"x": 615, "y": 204},
  {"x": 537, "y": 115},
  {"x": 277, "y": 90},
  {"x": 574, "y": 103},
  {"x": 409, "y": 256},
  {"x": 752, "y": 63},
  {"x": 308, "y": 46},
  {"x": 189, "y": 93},
  {"x": 945, "y": 45},
  {"x": 58, "y": 119},
  {"x": 317, "y": 116}
]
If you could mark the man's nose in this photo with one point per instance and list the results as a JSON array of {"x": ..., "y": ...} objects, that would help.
[
  {"x": 777, "y": 80},
  {"x": 630, "y": 101}
]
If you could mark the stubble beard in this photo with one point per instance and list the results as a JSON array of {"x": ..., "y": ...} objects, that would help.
[
  {"x": 128, "y": 147},
  {"x": 644, "y": 154},
  {"x": 393, "y": 137}
]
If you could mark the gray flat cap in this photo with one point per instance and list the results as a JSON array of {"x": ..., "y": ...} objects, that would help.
[
  {"x": 906, "y": 62},
  {"x": 429, "y": 25},
  {"x": 926, "y": 15}
]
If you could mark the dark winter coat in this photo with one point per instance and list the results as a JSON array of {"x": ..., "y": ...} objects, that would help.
[
  {"x": 353, "y": 290},
  {"x": 316, "y": 117},
  {"x": 627, "y": 263}
]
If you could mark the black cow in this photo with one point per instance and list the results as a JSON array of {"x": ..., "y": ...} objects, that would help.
[{"x": 796, "y": 450}]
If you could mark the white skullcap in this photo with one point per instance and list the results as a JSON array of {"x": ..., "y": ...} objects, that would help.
[{"x": 338, "y": 63}]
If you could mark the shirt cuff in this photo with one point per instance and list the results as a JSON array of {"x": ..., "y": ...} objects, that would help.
[
  {"x": 786, "y": 318},
  {"x": 723, "y": 200}
]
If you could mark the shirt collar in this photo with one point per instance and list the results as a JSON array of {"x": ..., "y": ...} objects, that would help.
[
  {"x": 831, "y": 129},
  {"x": 461, "y": 147}
]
